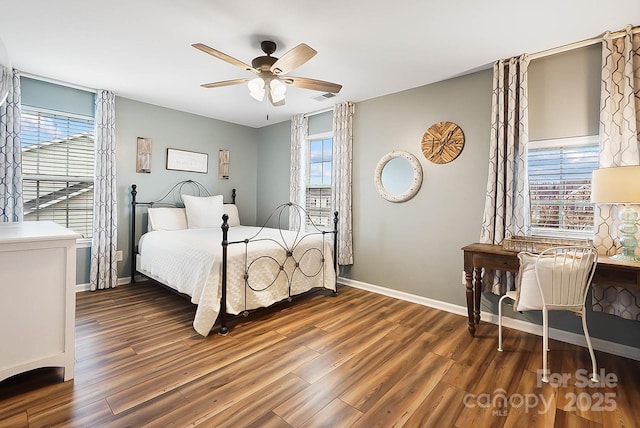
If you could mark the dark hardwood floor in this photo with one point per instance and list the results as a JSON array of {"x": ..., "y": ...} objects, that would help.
[{"x": 356, "y": 359}]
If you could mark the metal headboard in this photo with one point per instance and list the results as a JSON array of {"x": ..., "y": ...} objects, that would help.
[{"x": 172, "y": 198}]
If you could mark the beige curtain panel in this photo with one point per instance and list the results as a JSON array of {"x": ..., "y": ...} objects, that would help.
[
  {"x": 506, "y": 210},
  {"x": 619, "y": 126}
]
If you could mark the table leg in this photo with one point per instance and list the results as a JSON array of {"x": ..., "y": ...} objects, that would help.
[
  {"x": 477, "y": 283},
  {"x": 469, "y": 285}
]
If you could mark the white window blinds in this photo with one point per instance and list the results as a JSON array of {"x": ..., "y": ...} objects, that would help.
[
  {"x": 58, "y": 168},
  {"x": 560, "y": 185}
]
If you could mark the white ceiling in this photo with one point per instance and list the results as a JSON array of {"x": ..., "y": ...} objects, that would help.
[{"x": 141, "y": 49}]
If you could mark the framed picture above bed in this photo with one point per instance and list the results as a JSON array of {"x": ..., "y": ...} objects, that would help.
[{"x": 183, "y": 160}]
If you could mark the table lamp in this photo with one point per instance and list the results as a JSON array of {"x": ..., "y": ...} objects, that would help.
[{"x": 620, "y": 185}]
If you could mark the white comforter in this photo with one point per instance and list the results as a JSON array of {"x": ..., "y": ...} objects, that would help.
[{"x": 190, "y": 262}]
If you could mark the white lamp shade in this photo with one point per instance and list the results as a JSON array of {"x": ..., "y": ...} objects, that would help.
[
  {"x": 616, "y": 185},
  {"x": 278, "y": 90},
  {"x": 256, "y": 88}
]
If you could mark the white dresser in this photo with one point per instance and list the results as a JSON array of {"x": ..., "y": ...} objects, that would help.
[{"x": 37, "y": 297}]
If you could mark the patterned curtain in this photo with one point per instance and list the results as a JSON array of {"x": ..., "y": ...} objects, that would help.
[
  {"x": 298, "y": 169},
  {"x": 506, "y": 210},
  {"x": 104, "y": 267},
  {"x": 619, "y": 126},
  {"x": 342, "y": 178},
  {"x": 11, "y": 209}
]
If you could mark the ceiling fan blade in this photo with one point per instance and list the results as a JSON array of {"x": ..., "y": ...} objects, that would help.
[
  {"x": 313, "y": 84},
  {"x": 224, "y": 83},
  {"x": 223, "y": 56},
  {"x": 293, "y": 59}
]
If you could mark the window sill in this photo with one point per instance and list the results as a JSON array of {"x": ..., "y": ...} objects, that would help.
[{"x": 547, "y": 233}]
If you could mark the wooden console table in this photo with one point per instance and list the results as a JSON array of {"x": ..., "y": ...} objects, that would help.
[{"x": 489, "y": 256}]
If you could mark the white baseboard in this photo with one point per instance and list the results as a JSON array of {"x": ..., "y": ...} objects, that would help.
[
  {"x": 424, "y": 301},
  {"x": 87, "y": 286},
  {"x": 527, "y": 327},
  {"x": 83, "y": 287}
]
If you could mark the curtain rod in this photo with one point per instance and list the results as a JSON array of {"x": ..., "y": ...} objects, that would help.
[{"x": 581, "y": 44}]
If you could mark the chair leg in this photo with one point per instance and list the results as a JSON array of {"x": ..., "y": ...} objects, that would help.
[
  {"x": 500, "y": 322},
  {"x": 594, "y": 367},
  {"x": 545, "y": 344}
]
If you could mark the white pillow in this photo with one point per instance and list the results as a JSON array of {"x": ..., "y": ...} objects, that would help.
[
  {"x": 203, "y": 211},
  {"x": 528, "y": 294},
  {"x": 232, "y": 211},
  {"x": 553, "y": 272},
  {"x": 166, "y": 219}
]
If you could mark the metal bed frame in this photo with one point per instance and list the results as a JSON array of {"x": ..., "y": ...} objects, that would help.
[{"x": 173, "y": 198}]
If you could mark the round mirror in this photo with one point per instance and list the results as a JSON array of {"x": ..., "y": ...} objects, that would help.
[{"x": 398, "y": 176}]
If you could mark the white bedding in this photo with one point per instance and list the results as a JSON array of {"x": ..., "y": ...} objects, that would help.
[{"x": 189, "y": 261}]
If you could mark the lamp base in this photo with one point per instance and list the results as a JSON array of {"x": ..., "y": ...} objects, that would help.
[
  {"x": 628, "y": 228},
  {"x": 624, "y": 258}
]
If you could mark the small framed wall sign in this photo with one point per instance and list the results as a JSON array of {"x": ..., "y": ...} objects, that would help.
[
  {"x": 183, "y": 160},
  {"x": 143, "y": 158}
]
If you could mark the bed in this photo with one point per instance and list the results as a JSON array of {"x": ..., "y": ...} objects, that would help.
[{"x": 195, "y": 245}]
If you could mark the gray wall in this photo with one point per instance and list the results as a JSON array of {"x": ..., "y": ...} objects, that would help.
[
  {"x": 414, "y": 246},
  {"x": 173, "y": 129},
  {"x": 273, "y": 170}
]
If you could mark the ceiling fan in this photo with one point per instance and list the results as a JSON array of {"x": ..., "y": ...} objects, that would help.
[{"x": 271, "y": 71}]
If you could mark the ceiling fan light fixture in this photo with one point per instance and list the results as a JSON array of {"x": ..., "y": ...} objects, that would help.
[
  {"x": 278, "y": 90},
  {"x": 269, "y": 69},
  {"x": 256, "y": 88}
]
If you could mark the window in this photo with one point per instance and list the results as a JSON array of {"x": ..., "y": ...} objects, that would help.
[
  {"x": 560, "y": 185},
  {"x": 58, "y": 168},
  {"x": 318, "y": 202}
]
